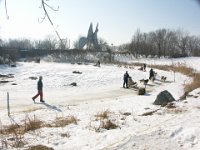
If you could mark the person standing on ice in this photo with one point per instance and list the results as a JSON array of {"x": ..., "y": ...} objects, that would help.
[
  {"x": 144, "y": 67},
  {"x": 151, "y": 75},
  {"x": 40, "y": 91},
  {"x": 126, "y": 76}
]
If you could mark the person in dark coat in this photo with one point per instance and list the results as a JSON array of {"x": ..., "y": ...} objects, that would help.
[
  {"x": 151, "y": 74},
  {"x": 126, "y": 76},
  {"x": 144, "y": 67},
  {"x": 40, "y": 91},
  {"x": 98, "y": 63}
]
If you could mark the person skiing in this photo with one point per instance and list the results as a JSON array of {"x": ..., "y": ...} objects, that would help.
[
  {"x": 126, "y": 76},
  {"x": 40, "y": 91}
]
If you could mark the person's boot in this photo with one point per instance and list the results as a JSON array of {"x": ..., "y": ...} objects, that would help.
[{"x": 42, "y": 101}]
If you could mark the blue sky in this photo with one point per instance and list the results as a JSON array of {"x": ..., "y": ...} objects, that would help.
[{"x": 118, "y": 19}]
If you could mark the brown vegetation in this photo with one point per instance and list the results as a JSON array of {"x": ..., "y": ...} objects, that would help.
[
  {"x": 64, "y": 121},
  {"x": 182, "y": 68},
  {"x": 105, "y": 121},
  {"x": 103, "y": 115},
  {"x": 65, "y": 135},
  {"x": 40, "y": 147},
  {"x": 14, "y": 132},
  {"x": 176, "y": 110},
  {"x": 108, "y": 124}
]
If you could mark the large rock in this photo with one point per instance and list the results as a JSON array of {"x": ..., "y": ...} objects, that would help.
[
  {"x": 73, "y": 84},
  {"x": 141, "y": 91},
  {"x": 163, "y": 98}
]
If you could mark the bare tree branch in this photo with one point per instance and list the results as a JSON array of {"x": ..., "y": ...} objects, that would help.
[
  {"x": 43, "y": 6},
  {"x": 6, "y": 10},
  {"x": 52, "y": 7},
  {"x": 198, "y": 1}
]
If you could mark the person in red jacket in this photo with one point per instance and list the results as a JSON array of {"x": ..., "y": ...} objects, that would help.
[{"x": 40, "y": 91}]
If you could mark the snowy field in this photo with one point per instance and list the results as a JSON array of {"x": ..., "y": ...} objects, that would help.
[{"x": 99, "y": 89}]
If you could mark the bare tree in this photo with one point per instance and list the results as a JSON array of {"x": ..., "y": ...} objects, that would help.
[
  {"x": 135, "y": 45},
  {"x": 63, "y": 45},
  {"x": 159, "y": 39},
  {"x": 171, "y": 43},
  {"x": 183, "y": 41},
  {"x": 49, "y": 43},
  {"x": 194, "y": 45}
]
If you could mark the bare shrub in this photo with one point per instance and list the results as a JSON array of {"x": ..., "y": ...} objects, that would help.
[
  {"x": 32, "y": 124},
  {"x": 9, "y": 129},
  {"x": 104, "y": 121},
  {"x": 18, "y": 140},
  {"x": 102, "y": 115},
  {"x": 64, "y": 121},
  {"x": 108, "y": 124},
  {"x": 15, "y": 139},
  {"x": 4, "y": 144},
  {"x": 195, "y": 83},
  {"x": 65, "y": 134},
  {"x": 39, "y": 147}
]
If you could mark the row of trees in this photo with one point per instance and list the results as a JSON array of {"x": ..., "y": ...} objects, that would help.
[
  {"x": 158, "y": 43},
  {"x": 163, "y": 42},
  {"x": 50, "y": 43}
]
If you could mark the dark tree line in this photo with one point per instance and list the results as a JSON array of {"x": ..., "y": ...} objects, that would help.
[{"x": 163, "y": 43}]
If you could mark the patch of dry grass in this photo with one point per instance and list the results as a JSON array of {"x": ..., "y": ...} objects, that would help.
[
  {"x": 194, "y": 84},
  {"x": 9, "y": 128},
  {"x": 64, "y": 121},
  {"x": 32, "y": 124},
  {"x": 105, "y": 121},
  {"x": 39, "y": 147},
  {"x": 103, "y": 115},
  {"x": 176, "y": 110},
  {"x": 14, "y": 132},
  {"x": 14, "y": 139},
  {"x": 65, "y": 134},
  {"x": 108, "y": 124}
]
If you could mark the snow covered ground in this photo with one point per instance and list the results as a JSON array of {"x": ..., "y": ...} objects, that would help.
[{"x": 100, "y": 90}]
